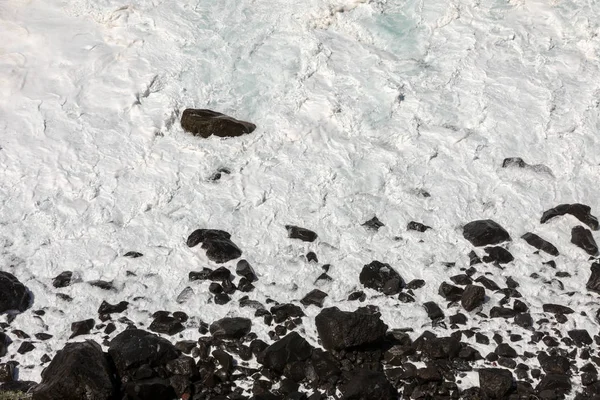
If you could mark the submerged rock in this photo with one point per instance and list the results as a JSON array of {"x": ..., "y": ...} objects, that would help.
[{"x": 204, "y": 123}]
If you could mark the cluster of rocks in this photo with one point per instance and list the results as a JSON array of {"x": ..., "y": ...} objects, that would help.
[{"x": 357, "y": 355}]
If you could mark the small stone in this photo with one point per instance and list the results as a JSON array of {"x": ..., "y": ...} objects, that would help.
[
  {"x": 295, "y": 232},
  {"x": 81, "y": 327}
]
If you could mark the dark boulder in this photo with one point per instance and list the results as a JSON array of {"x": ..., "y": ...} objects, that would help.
[
  {"x": 580, "y": 337},
  {"x": 218, "y": 245},
  {"x": 63, "y": 279},
  {"x": 554, "y": 364},
  {"x": 440, "y": 348},
  {"x": 133, "y": 348},
  {"x": 365, "y": 384},
  {"x": 78, "y": 371},
  {"x": 557, "y": 383},
  {"x": 487, "y": 283},
  {"x": 450, "y": 292},
  {"x": 535, "y": 241},
  {"x": 315, "y": 297},
  {"x": 107, "y": 308},
  {"x": 433, "y": 310},
  {"x": 340, "y": 329},
  {"x": 166, "y": 325},
  {"x": 472, "y": 297},
  {"x": 133, "y": 254},
  {"x": 582, "y": 237},
  {"x": 150, "y": 389},
  {"x": 231, "y": 328},
  {"x": 579, "y": 211},
  {"x": 285, "y": 351},
  {"x": 295, "y": 232},
  {"x": 495, "y": 383},
  {"x": 498, "y": 255},
  {"x": 244, "y": 269},
  {"x": 381, "y": 277},
  {"x": 13, "y": 294},
  {"x": 485, "y": 232},
  {"x": 502, "y": 312},
  {"x": 557, "y": 309},
  {"x": 283, "y": 312},
  {"x": 81, "y": 327},
  {"x": 204, "y": 123},
  {"x": 593, "y": 284}
]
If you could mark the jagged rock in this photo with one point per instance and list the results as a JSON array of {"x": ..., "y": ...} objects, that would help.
[
  {"x": 461, "y": 279},
  {"x": 535, "y": 241},
  {"x": 504, "y": 350},
  {"x": 244, "y": 269},
  {"x": 495, "y": 383},
  {"x": 166, "y": 325},
  {"x": 381, "y": 277},
  {"x": 340, "y": 329},
  {"x": 13, "y": 294},
  {"x": 440, "y": 348},
  {"x": 295, "y": 232},
  {"x": 204, "y": 123},
  {"x": 373, "y": 224},
  {"x": 104, "y": 285},
  {"x": 579, "y": 211},
  {"x": 218, "y": 245},
  {"x": 497, "y": 254},
  {"x": 415, "y": 284},
  {"x": 63, "y": 279},
  {"x": 231, "y": 328},
  {"x": 582, "y": 237},
  {"x": 557, "y": 309},
  {"x": 322, "y": 367},
  {"x": 485, "y": 232},
  {"x": 365, "y": 384},
  {"x": 107, "y": 308},
  {"x": 450, "y": 292},
  {"x": 358, "y": 295},
  {"x": 283, "y": 312},
  {"x": 433, "y": 310},
  {"x": 472, "y": 297},
  {"x": 78, "y": 371},
  {"x": 133, "y": 348},
  {"x": 81, "y": 327},
  {"x": 417, "y": 226},
  {"x": 285, "y": 351},
  {"x": 514, "y": 162},
  {"x": 315, "y": 297}
]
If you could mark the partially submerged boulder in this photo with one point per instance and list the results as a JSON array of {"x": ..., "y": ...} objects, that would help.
[
  {"x": 204, "y": 123},
  {"x": 13, "y": 294},
  {"x": 485, "y": 232}
]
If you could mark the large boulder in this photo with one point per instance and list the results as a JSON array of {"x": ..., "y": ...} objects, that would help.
[
  {"x": 365, "y": 384},
  {"x": 289, "y": 349},
  {"x": 472, "y": 297},
  {"x": 205, "y": 123},
  {"x": 13, "y": 294},
  {"x": 582, "y": 238},
  {"x": 579, "y": 211},
  {"x": 485, "y": 232},
  {"x": 341, "y": 329},
  {"x": 218, "y": 245},
  {"x": 381, "y": 277},
  {"x": 78, "y": 371},
  {"x": 135, "y": 347}
]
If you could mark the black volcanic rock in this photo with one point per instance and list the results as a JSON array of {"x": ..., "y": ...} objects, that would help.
[
  {"x": 495, "y": 383},
  {"x": 502, "y": 312},
  {"x": 166, "y": 325},
  {"x": 497, "y": 254},
  {"x": 295, "y": 232},
  {"x": 579, "y": 211},
  {"x": 204, "y": 123},
  {"x": 78, "y": 371},
  {"x": 133, "y": 348},
  {"x": 244, "y": 269},
  {"x": 373, "y": 224},
  {"x": 417, "y": 226},
  {"x": 107, "y": 308},
  {"x": 81, "y": 327},
  {"x": 341, "y": 330},
  {"x": 557, "y": 309},
  {"x": 133, "y": 254},
  {"x": 433, "y": 310},
  {"x": 535, "y": 241},
  {"x": 285, "y": 351},
  {"x": 381, "y": 277},
  {"x": 217, "y": 243},
  {"x": 63, "y": 279},
  {"x": 315, "y": 297},
  {"x": 472, "y": 297},
  {"x": 581, "y": 337},
  {"x": 554, "y": 364},
  {"x": 150, "y": 389},
  {"x": 13, "y": 294},
  {"x": 450, "y": 292},
  {"x": 558, "y": 384},
  {"x": 231, "y": 328},
  {"x": 582, "y": 238},
  {"x": 485, "y": 232},
  {"x": 364, "y": 384}
]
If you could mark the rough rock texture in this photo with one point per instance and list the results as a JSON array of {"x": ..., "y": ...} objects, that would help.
[
  {"x": 205, "y": 123},
  {"x": 579, "y": 211},
  {"x": 364, "y": 384},
  {"x": 472, "y": 297},
  {"x": 78, "y": 371},
  {"x": 290, "y": 349},
  {"x": 495, "y": 383},
  {"x": 534, "y": 240},
  {"x": 582, "y": 237},
  {"x": 340, "y": 329},
  {"x": 381, "y": 277},
  {"x": 485, "y": 232},
  {"x": 13, "y": 294}
]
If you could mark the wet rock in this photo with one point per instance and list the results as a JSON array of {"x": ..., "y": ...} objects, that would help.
[
  {"x": 107, "y": 308},
  {"x": 462, "y": 279},
  {"x": 7, "y": 372},
  {"x": 417, "y": 226},
  {"x": 514, "y": 162},
  {"x": 535, "y": 241},
  {"x": 217, "y": 243},
  {"x": 295, "y": 232},
  {"x": 166, "y": 325},
  {"x": 557, "y": 309},
  {"x": 554, "y": 364},
  {"x": 78, "y": 371},
  {"x": 25, "y": 347},
  {"x": 582, "y": 237},
  {"x": 433, "y": 310},
  {"x": 450, "y": 292},
  {"x": 498, "y": 255},
  {"x": 133, "y": 348},
  {"x": 581, "y": 337},
  {"x": 440, "y": 348},
  {"x": 373, "y": 224},
  {"x": 495, "y": 383},
  {"x": 504, "y": 350},
  {"x": 13, "y": 294},
  {"x": 579, "y": 211},
  {"x": 315, "y": 297},
  {"x": 557, "y": 383},
  {"x": 222, "y": 298},
  {"x": 244, "y": 269},
  {"x": 472, "y": 297},
  {"x": 381, "y": 277},
  {"x": 81, "y": 327},
  {"x": 365, "y": 384},
  {"x": 524, "y": 320},
  {"x": 487, "y": 283},
  {"x": 359, "y": 295},
  {"x": 230, "y": 328},
  {"x": 104, "y": 285},
  {"x": 485, "y": 232},
  {"x": 132, "y": 254},
  {"x": 340, "y": 330},
  {"x": 63, "y": 279},
  {"x": 150, "y": 389},
  {"x": 502, "y": 312},
  {"x": 285, "y": 351},
  {"x": 204, "y": 123},
  {"x": 283, "y": 312}
]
